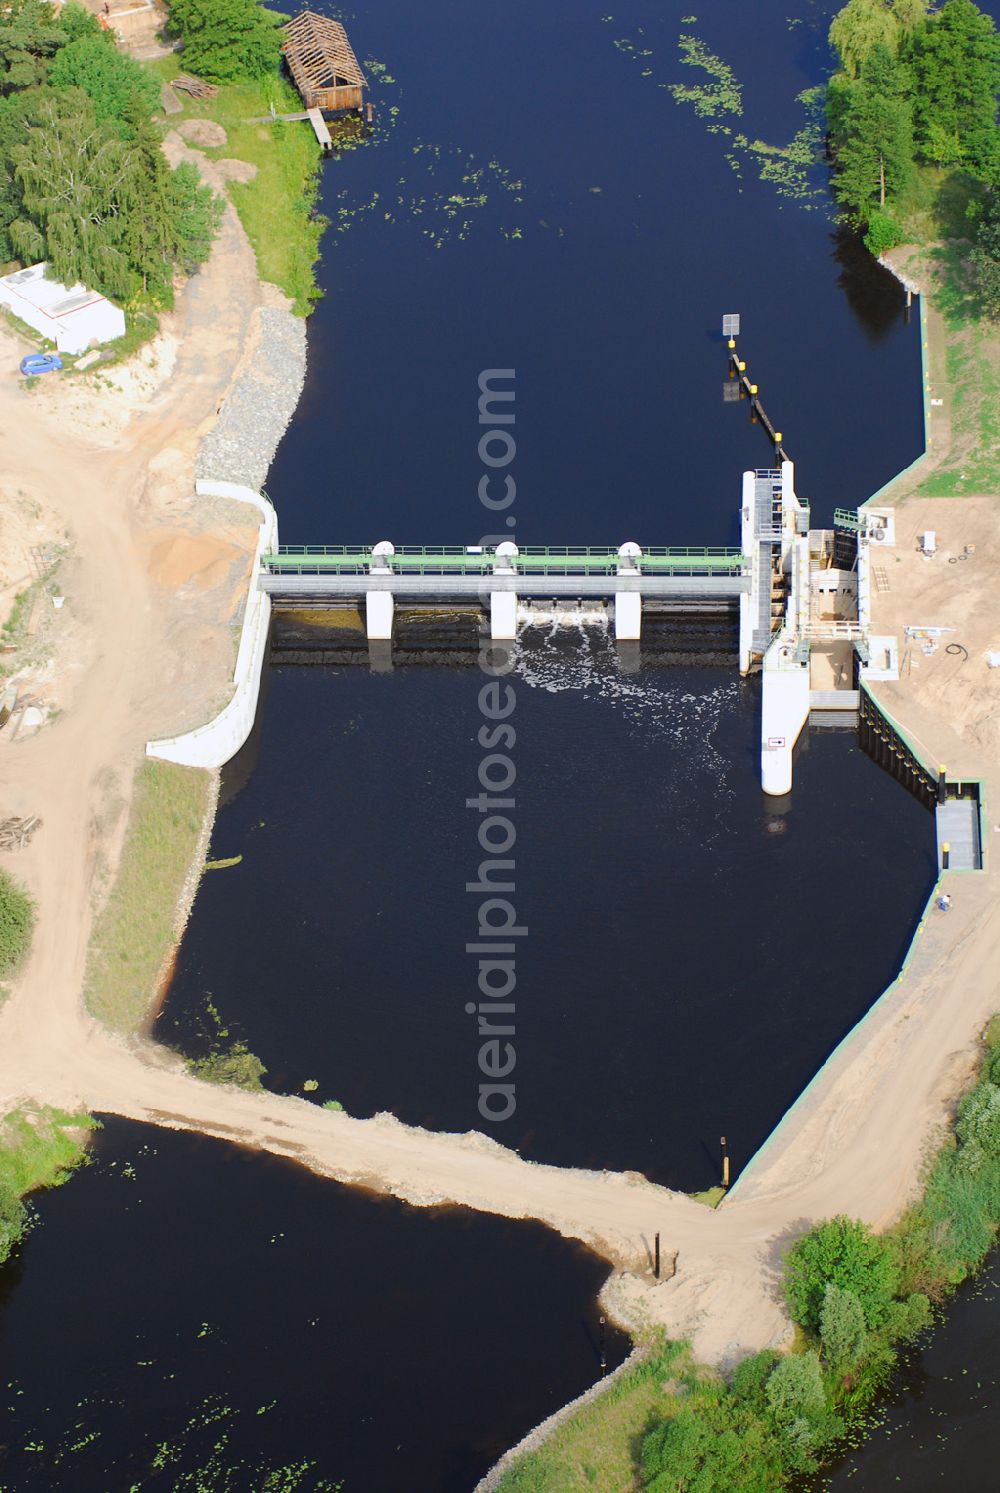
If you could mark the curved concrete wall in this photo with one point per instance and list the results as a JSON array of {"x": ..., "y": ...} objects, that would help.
[{"x": 213, "y": 744}]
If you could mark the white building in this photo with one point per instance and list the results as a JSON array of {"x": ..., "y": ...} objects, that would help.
[{"x": 71, "y": 317}]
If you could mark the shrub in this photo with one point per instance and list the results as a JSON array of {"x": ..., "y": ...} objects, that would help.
[
  {"x": 17, "y": 916},
  {"x": 751, "y": 1376},
  {"x": 237, "y": 1066},
  {"x": 883, "y": 234},
  {"x": 13, "y": 1218},
  {"x": 842, "y": 1328},
  {"x": 845, "y": 1252},
  {"x": 712, "y": 1445}
]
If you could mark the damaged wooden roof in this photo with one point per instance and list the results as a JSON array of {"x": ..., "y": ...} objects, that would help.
[{"x": 319, "y": 54}]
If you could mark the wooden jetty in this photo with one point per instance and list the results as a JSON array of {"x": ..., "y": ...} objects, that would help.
[
  {"x": 320, "y": 129},
  {"x": 322, "y": 63}
]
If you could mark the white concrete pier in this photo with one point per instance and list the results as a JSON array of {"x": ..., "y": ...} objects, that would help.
[
  {"x": 380, "y": 604},
  {"x": 503, "y": 604},
  {"x": 628, "y": 604}
]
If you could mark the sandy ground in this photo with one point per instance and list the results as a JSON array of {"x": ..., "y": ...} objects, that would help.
[{"x": 153, "y": 582}]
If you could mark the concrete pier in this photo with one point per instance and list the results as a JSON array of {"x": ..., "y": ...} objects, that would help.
[
  {"x": 628, "y": 604},
  {"x": 380, "y": 603},
  {"x": 503, "y": 604},
  {"x": 379, "y": 609}
]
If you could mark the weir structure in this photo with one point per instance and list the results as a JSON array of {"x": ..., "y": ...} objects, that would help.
[{"x": 802, "y": 597}]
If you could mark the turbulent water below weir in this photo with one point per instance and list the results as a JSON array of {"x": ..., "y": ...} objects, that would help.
[{"x": 534, "y": 198}]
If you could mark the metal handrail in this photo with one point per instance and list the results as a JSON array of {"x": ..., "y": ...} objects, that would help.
[{"x": 452, "y": 559}]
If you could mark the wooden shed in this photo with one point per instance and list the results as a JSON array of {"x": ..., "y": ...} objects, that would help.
[{"x": 322, "y": 63}]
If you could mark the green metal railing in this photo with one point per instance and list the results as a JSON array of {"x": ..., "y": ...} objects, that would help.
[
  {"x": 846, "y": 518},
  {"x": 347, "y": 559}
]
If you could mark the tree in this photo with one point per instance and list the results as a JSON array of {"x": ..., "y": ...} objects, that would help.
[
  {"x": 796, "y": 1398},
  {"x": 225, "y": 40},
  {"x": 197, "y": 215},
  {"x": 171, "y": 217},
  {"x": 29, "y": 36},
  {"x": 846, "y": 1252},
  {"x": 76, "y": 20},
  {"x": 842, "y": 1328},
  {"x": 910, "y": 14},
  {"x": 875, "y": 150},
  {"x": 750, "y": 1378},
  {"x": 860, "y": 26},
  {"x": 956, "y": 64},
  {"x": 112, "y": 80},
  {"x": 73, "y": 175}
]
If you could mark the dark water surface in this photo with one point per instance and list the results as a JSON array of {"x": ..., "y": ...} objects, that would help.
[
  {"x": 634, "y": 235},
  {"x": 180, "y": 1291},
  {"x": 940, "y": 1426},
  {"x": 692, "y": 956}
]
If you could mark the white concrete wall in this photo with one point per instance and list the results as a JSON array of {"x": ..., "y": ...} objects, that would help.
[
  {"x": 748, "y": 599},
  {"x": 379, "y": 609},
  {"x": 503, "y": 615},
  {"x": 784, "y": 711},
  {"x": 213, "y": 744},
  {"x": 628, "y": 616}
]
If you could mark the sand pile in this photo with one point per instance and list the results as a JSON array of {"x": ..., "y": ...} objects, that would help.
[{"x": 199, "y": 559}]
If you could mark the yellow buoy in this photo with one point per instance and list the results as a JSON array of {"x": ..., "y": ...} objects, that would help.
[
  {"x": 777, "y": 437},
  {"x": 732, "y": 343},
  {"x": 742, "y": 367},
  {"x": 753, "y": 388}
]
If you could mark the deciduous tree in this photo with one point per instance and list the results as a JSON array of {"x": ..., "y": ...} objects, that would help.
[
  {"x": 860, "y": 26},
  {"x": 225, "y": 40},
  {"x": 113, "y": 81},
  {"x": 846, "y": 1252}
]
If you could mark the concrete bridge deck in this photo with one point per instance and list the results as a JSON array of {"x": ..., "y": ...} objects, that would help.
[{"x": 336, "y": 584}]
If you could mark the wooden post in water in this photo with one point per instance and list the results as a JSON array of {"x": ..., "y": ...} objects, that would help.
[
  {"x": 725, "y": 1161},
  {"x": 656, "y": 1256},
  {"x": 604, "y": 1361}
]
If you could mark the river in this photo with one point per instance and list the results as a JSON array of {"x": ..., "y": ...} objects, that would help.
[{"x": 535, "y": 198}]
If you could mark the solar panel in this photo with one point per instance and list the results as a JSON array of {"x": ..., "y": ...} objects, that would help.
[
  {"x": 731, "y": 392},
  {"x": 731, "y": 325}
]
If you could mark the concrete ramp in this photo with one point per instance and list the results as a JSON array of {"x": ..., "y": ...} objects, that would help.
[{"x": 958, "y": 828}]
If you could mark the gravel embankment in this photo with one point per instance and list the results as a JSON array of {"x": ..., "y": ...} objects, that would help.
[{"x": 257, "y": 413}]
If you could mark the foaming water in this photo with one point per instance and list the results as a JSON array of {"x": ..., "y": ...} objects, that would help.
[{"x": 583, "y": 661}]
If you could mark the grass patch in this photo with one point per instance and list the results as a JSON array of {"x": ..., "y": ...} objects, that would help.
[
  {"x": 711, "y": 1197},
  {"x": 972, "y": 368},
  {"x": 598, "y": 1448},
  {"x": 17, "y": 919},
  {"x": 135, "y": 932},
  {"x": 276, "y": 208},
  {"x": 38, "y": 1148},
  {"x": 17, "y": 619}
]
